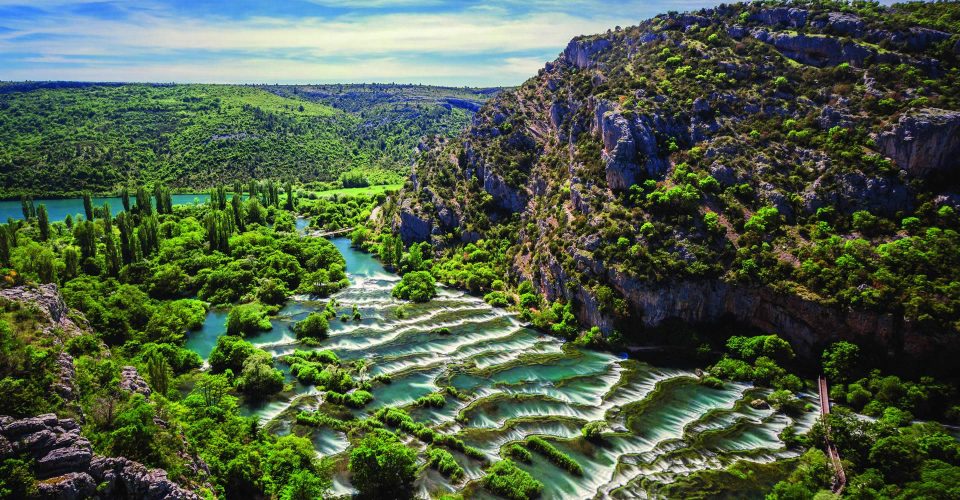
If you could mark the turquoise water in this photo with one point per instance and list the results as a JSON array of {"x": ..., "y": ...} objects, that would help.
[
  {"x": 662, "y": 424},
  {"x": 59, "y": 209}
]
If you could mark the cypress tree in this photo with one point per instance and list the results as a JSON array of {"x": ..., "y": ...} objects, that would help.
[
  {"x": 71, "y": 261},
  {"x": 125, "y": 225},
  {"x": 289, "y": 196},
  {"x": 125, "y": 198},
  {"x": 86, "y": 236},
  {"x": 27, "y": 207},
  {"x": 143, "y": 201},
  {"x": 88, "y": 205},
  {"x": 5, "y": 245},
  {"x": 43, "y": 222},
  {"x": 112, "y": 256},
  {"x": 107, "y": 219},
  {"x": 237, "y": 204}
]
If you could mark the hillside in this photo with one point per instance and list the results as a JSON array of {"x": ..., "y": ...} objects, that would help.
[
  {"x": 61, "y": 138},
  {"x": 791, "y": 167}
]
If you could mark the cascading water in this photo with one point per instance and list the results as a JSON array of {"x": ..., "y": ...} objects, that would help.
[{"x": 661, "y": 423}]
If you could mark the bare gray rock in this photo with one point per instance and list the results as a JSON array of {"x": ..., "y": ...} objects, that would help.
[
  {"x": 781, "y": 16},
  {"x": 131, "y": 381},
  {"x": 64, "y": 462},
  {"x": 924, "y": 142},
  {"x": 582, "y": 53}
]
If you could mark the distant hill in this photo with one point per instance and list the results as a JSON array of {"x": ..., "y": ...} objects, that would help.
[{"x": 59, "y": 138}]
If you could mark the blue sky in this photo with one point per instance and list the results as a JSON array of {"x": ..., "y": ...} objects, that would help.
[{"x": 470, "y": 42}]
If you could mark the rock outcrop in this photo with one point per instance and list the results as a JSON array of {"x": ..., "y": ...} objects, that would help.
[
  {"x": 66, "y": 467},
  {"x": 582, "y": 53},
  {"x": 50, "y": 303},
  {"x": 412, "y": 227},
  {"x": 924, "y": 142},
  {"x": 132, "y": 382}
]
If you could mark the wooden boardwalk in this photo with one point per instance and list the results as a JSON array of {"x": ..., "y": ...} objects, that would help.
[
  {"x": 329, "y": 234},
  {"x": 840, "y": 479}
]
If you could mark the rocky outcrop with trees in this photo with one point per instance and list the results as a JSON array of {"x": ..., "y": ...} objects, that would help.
[{"x": 784, "y": 164}]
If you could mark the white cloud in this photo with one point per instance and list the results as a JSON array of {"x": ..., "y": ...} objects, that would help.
[{"x": 371, "y": 35}]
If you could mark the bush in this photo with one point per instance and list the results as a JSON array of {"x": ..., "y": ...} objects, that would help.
[
  {"x": 418, "y": 286},
  {"x": 435, "y": 400},
  {"x": 380, "y": 463},
  {"x": 593, "y": 430},
  {"x": 314, "y": 326},
  {"x": 230, "y": 353},
  {"x": 248, "y": 319},
  {"x": 554, "y": 455},
  {"x": 443, "y": 461},
  {"x": 258, "y": 377},
  {"x": 497, "y": 299},
  {"x": 517, "y": 452},
  {"x": 507, "y": 480}
]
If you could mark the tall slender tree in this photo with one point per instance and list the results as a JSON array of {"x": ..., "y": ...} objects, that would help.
[
  {"x": 125, "y": 198},
  {"x": 43, "y": 222},
  {"x": 107, "y": 219},
  {"x": 289, "y": 190},
  {"x": 144, "y": 206},
  {"x": 88, "y": 205},
  {"x": 127, "y": 242}
]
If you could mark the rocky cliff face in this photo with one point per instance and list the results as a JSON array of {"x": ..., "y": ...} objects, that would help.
[
  {"x": 634, "y": 161},
  {"x": 67, "y": 468},
  {"x": 925, "y": 141}
]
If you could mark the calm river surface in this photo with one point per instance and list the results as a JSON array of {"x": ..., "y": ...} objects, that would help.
[
  {"x": 662, "y": 424},
  {"x": 59, "y": 209}
]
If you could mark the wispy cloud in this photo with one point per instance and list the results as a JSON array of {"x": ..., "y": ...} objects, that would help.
[{"x": 486, "y": 43}]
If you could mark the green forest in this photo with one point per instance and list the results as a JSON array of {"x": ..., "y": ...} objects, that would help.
[{"x": 72, "y": 138}]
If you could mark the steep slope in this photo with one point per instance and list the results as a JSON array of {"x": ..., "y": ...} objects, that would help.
[
  {"x": 61, "y": 138},
  {"x": 792, "y": 167}
]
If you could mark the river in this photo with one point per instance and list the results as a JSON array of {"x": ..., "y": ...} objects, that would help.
[
  {"x": 662, "y": 424},
  {"x": 59, "y": 208}
]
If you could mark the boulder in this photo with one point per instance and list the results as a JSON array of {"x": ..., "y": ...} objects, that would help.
[
  {"x": 120, "y": 476},
  {"x": 70, "y": 486},
  {"x": 64, "y": 463},
  {"x": 924, "y": 142}
]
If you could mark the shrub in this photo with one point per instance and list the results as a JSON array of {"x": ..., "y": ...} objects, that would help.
[
  {"x": 443, "y": 461},
  {"x": 314, "y": 326},
  {"x": 517, "y": 452},
  {"x": 497, "y": 299},
  {"x": 593, "y": 430},
  {"x": 248, "y": 319},
  {"x": 554, "y": 455},
  {"x": 418, "y": 286},
  {"x": 381, "y": 463},
  {"x": 507, "y": 480},
  {"x": 434, "y": 400}
]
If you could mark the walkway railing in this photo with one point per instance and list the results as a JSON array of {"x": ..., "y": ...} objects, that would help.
[{"x": 840, "y": 479}]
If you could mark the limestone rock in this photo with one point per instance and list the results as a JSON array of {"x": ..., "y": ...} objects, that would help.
[
  {"x": 70, "y": 486},
  {"x": 64, "y": 462},
  {"x": 413, "y": 227},
  {"x": 781, "y": 16},
  {"x": 131, "y": 381},
  {"x": 121, "y": 476},
  {"x": 924, "y": 142},
  {"x": 619, "y": 152},
  {"x": 582, "y": 53}
]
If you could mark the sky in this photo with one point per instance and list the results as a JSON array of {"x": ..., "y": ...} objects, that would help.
[{"x": 467, "y": 42}]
